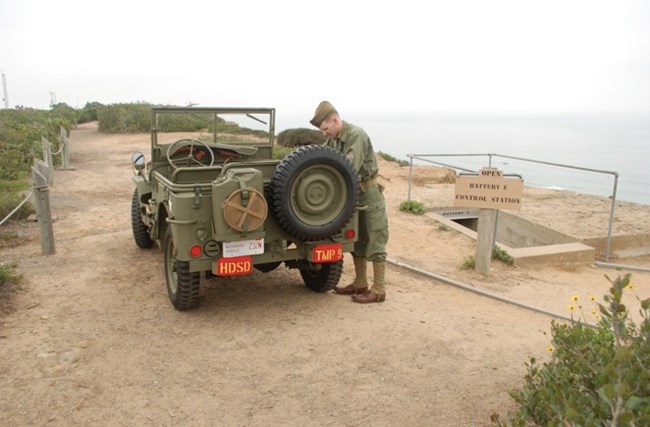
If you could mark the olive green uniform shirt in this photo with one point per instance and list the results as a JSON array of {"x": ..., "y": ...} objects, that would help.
[{"x": 355, "y": 144}]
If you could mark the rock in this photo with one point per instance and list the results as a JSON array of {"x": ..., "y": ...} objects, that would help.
[{"x": 70, "y": 357}]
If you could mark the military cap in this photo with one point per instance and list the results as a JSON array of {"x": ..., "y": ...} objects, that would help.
[{"x": 323, "y": 111}]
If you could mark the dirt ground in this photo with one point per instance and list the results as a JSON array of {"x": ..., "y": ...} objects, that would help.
[{"x": 91, "y": 338}]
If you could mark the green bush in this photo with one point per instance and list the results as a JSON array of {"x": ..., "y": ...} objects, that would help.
[
  {"x": 124, "y": 118},
  {"x": 89, "y": 112},
  {"x": 299, "y": 137},
  {"x": 12, "y": 196},
  {"x": 20, "y": 139},
  {"x": 21, "y": 131},
  {"x": 596, "y": 376},
  {"x": 136, "y": 118},
  {"x": 412, "y": 206},
  {"x": 280, "y": 152},
  {"x": 497, "y": 253},
  {"x": 468, "y": 263},
  {"x": 502, "y": 255}
]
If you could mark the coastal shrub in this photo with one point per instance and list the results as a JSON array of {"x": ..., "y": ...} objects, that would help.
[
  {"x": 391, "y": 158},
  {"x": 89, "y": 112},
  {"x": 21, "y": 131},
  {"x": 501, "y": 255},
  {"x": 468, "y": 263},
  {"x": 12, "y": 195},
  {"x": 300, "y": 136},
  {"x": 497, "y": 253},
  {"x": 136, "y": 118},
  {"x": 124, "y": 118},
  {"x": 412, "y": 206},
  {"x": 597, "y": 376},
  {"x": 280, "y": 152}
]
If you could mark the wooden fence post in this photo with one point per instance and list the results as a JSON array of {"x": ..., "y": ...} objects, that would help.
[
  {"x": 47, "y": 157},
  {"x": 43, "y": 214},
  {"x": 65, "y": 153}
]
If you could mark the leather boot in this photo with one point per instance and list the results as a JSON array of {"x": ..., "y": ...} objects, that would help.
[
  {"x": 360, "y": 283},
  {"x": 378, "y": 292}
]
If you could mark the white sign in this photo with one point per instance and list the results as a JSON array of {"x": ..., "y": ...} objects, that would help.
[{"x": 243, "y": 247}]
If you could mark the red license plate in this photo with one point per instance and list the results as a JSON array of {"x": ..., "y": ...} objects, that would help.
[
  {"x": 235, "y": 266},
  {"x": 327, "y": 253}
]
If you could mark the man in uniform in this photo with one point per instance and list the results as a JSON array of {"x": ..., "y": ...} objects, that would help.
[{"x": 355, "y": 144}]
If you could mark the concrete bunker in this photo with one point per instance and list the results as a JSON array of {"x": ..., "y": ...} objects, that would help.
[{"x": 525, "y": 241}]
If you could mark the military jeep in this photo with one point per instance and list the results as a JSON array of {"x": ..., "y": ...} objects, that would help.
[{"x": 216, "y": 202}]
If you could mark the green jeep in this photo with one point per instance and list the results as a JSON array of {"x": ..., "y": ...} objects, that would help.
[{"x": 216, "y": 202}]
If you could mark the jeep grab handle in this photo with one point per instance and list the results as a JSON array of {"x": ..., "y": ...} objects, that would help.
[{"x": 180, "y": 221}]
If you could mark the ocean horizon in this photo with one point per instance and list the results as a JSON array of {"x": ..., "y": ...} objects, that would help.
[{"x": 615, "y": 143}]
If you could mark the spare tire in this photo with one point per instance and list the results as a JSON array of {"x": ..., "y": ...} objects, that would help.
[{"x": 314, "y": 192}]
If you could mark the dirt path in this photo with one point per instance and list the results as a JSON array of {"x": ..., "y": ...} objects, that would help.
[{"x": 93, "y": 339}]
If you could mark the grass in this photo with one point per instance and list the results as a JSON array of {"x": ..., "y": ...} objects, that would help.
[
  {"x": 8, "y": 239},
  {"x": 391, "y": 158},
  {"x": 412, "y": 206},
  {"x": 10, "y": 281},
  {"x": 497, "y": 253}
]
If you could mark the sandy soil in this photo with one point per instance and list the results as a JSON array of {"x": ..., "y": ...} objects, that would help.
[{"x": 92, "y": 339}]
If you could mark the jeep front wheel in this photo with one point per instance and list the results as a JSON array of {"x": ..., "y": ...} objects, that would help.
[
  {"x": 325, "y": 278},
  {"x": 140, "y": 231},
  {"x": 182, "y": 285},
  {"x": 314, "y": 191}
]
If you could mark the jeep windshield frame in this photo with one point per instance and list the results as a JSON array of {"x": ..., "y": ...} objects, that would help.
[{"x": 252, "y": 127}]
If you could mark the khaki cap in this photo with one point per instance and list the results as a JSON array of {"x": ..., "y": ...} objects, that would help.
[{"x": 323, "y": 111}]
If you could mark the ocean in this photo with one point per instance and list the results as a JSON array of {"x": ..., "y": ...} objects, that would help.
[{"x": 605, "y": 142}]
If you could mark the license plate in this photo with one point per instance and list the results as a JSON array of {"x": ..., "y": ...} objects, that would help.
[
  {"x": 243, "y": 247},
  {"x": 236, "y": 266},
  {"x": 327, "y": 253}
]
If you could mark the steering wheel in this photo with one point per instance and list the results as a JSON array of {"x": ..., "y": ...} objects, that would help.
[{"x": 195, "y": 150}]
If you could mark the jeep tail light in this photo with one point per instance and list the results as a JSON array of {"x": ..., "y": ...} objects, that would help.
[
  {"x": 350, "y": 234},
  {"x": 196, "y": 251}
]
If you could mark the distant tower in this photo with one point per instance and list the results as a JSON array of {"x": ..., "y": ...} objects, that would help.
[
  {"x": 4, "y": 89},
  {"x": 52, "y": 99}
]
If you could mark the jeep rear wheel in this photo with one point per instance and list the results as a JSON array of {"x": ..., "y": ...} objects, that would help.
[
  {"x": 314, "y": 192},
  {"x": 325, "y": 278},
  {"x": 140, "y": 232},
  {"x": 182, "y": 285}
]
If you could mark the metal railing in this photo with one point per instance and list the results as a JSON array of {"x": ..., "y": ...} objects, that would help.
[{"x": 425, "y": 158}]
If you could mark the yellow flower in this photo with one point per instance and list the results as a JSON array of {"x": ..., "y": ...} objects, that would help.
[
  {"x": 593, "y": 312},
  {"x": 571, "y": 307},
  {"x": 550, "y": 348},
  {"x": 591, "y": 298},
  {"x": 574, "y": 298},
  {"x": 630, "y": 286}
]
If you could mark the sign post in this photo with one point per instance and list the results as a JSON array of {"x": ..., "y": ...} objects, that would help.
[{"x": 490, "y": 190}]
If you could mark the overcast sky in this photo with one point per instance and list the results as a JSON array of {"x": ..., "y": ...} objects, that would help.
[{"x": 467, "y": 55}]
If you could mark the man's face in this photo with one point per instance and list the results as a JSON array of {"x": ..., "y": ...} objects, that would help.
[{"x": 331, "y": 127}]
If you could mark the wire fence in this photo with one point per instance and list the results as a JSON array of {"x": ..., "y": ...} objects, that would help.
[{"x": 43, "y": 177}]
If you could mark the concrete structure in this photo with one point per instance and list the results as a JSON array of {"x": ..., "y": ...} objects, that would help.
[{"x": 523, "y": 240}]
